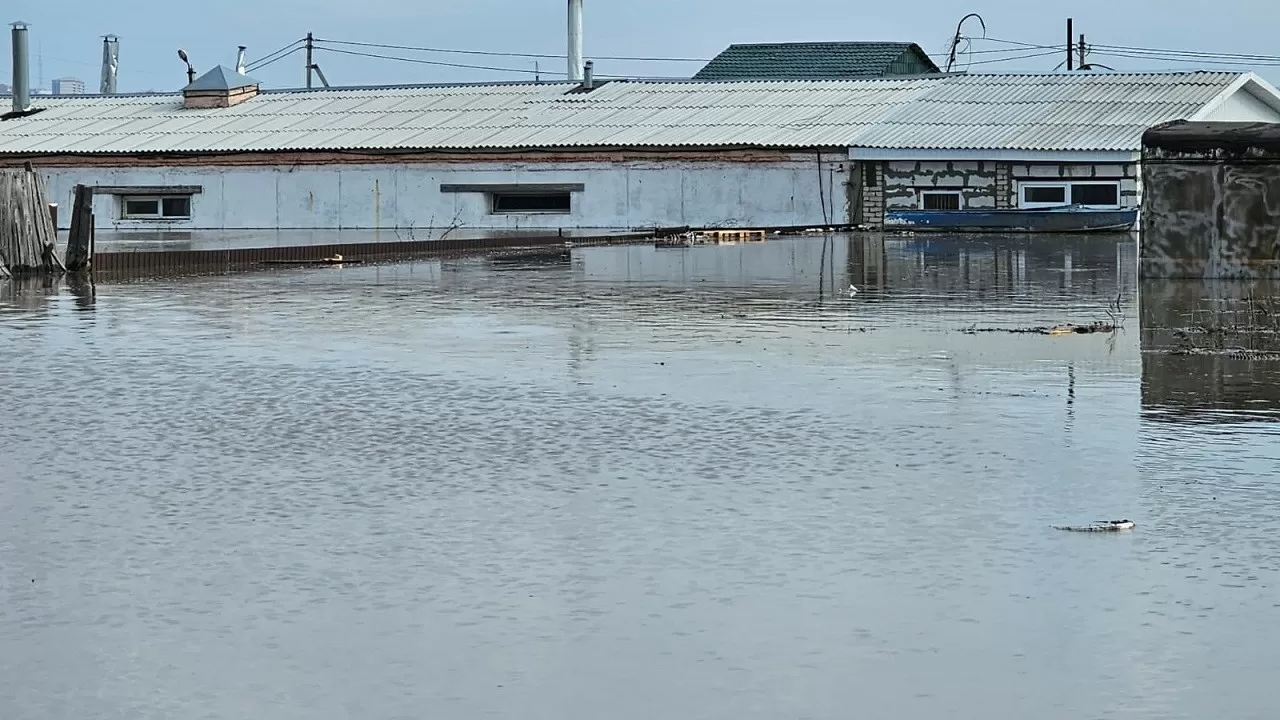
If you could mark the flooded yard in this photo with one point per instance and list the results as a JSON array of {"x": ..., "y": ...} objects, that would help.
[{"x": 713, "y": 482}]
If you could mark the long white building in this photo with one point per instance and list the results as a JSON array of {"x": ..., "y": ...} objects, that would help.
[{"x": 226, "y": 155}]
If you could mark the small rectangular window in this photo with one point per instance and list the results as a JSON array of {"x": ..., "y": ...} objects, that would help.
[
  {"x": 528, "y": 202},
  {"x": 141, "y": 207},
  {"x": 940, "y": 200},
  {"x": 1100, "y": 194},
  {"x": 176, "y": 207},
  {"x": 150, "y": 207},
  {"x": 869, "y": 175},
  {"x": 1045, "y": 194}
]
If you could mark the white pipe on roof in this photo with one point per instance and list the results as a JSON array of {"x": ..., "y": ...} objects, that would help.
[
  {"x": 110, "y": 64},
  {"x": 575, "y": 40}
]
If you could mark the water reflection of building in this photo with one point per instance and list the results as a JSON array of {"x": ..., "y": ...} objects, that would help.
[
  {"x": 1193, "y": 333},
  {"x": 1056, "y": 269}
]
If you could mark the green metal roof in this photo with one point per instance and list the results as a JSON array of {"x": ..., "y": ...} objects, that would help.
[{"x": 817, "y": 61}]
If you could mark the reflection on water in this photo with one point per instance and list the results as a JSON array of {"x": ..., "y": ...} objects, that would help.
[
  {"x": 638, "y": 482},
  {"x": 1211, "y": 350}
]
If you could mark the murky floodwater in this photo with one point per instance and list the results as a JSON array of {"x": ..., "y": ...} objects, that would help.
[{"x": 639, "y": 483}]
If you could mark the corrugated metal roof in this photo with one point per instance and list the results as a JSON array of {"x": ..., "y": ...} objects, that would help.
[{"x": 1081, "y": 111}]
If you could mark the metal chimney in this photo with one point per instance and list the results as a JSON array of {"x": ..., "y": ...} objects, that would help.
[
  {"x": 240, "y": 67},
  {"x": 110, "y": 64},
  {"x": 575, "y": 40},
  {"x": 21, "y": 69},
  {"x": 589, "y": 76}
]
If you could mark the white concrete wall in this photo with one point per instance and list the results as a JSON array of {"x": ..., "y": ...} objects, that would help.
[
  {"x": 386, "y": 196},
  {"x": 1243, "y": 106}
]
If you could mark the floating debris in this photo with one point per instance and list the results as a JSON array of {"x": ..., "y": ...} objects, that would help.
[
  {"x": 1064, "y": 329},
  {"x": 335, "y": 259},
  {"x": 1100, "y": 526}
]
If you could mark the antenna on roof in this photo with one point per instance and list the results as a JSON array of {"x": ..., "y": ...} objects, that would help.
[{"x": 955, "y": 42}]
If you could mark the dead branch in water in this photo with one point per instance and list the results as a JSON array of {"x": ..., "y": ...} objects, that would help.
[{"x": 1064, "y": 329}]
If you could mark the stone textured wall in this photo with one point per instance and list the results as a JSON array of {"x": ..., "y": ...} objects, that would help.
[
  {"x": 975, "y": 179},
  {"x": 1206, "y": 217},
  {"x": 1005, "y": 198},
  {"x": 873, "y": 193},
  {"x": 983, "y": 184}
]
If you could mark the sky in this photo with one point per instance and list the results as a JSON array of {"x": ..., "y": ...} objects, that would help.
[{"x": 66, "y": 35}]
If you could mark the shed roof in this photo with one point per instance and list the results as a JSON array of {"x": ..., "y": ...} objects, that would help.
[
  {"x": 221, "y": 77},
  {"x": 811, "y": 61},
  {"x": 1079, "y": 111}
]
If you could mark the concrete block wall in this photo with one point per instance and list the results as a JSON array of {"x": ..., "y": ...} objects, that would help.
[
  {"x": 1127, "y": 174},
  {"x": 975, "y": 180},
  {"x": 873, "y": 193}
]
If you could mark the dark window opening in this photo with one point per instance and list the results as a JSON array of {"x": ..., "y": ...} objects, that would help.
[
  {"x": 139, "y": 207},
  {"x": 939, "y": 201},
  {"x": 551, "y": 202},
  {"x": 1045, "y": 194},
  {"x": 869, "y": 174},
  {"x": 176, "y": 207},
  {"x": 1095, "y": 194}
]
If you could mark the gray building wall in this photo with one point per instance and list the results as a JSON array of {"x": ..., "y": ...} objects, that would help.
[
  {"x": 1210, "y": 217},
  {"x": 1212, "y": 206}
]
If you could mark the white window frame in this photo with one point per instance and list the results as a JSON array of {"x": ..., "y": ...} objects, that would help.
[
  {"x": 1066, "y": 186},
  {"x": 921, "y": 193},
  {"x": 159, "y": 199}
]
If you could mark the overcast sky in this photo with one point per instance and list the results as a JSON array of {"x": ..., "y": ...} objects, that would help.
[{"x": 66, "y": 34}]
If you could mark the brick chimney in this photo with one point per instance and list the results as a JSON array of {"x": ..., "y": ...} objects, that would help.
[{"x": 219, "y": 88}]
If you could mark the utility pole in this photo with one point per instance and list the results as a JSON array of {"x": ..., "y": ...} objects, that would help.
[
  {"x": 1084, "y": 50},
  {"x": 1071, "y": 38},
  {"x": 311, "y": 46}
]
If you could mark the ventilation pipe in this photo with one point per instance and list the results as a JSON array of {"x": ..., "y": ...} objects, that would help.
[
  {"x": 575, "y": 40},
  {"x": 21, "y": 69},
  {"x": 240, "y": 67},
  {"x": 589, "y": 76},
  {"x": 110, "y": 64}
]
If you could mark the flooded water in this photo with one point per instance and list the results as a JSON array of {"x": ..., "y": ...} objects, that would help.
[{"x": 636, "y": 483}]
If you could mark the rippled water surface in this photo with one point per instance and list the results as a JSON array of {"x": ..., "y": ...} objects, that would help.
[{"x": 637, "y": 483}]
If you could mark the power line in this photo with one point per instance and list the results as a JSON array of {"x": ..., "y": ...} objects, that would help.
[
  {"x": 1029, "y": 56},
  {"x": 1192, "y": 60},
  {"x": 259, "y": 65},
  {"x": 1190, "y": 53},
  {"x": 438, "y": 63},
  {"x": 1136, "y": 52},
  {"x": 488, "y": 53},
  {"x": 267, "y": 59}
]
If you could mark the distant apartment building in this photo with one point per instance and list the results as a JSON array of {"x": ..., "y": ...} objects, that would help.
[{"x": 68, "y": 86}]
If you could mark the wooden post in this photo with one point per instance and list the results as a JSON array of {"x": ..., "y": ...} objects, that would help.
[{"x": 80, "y": 238}]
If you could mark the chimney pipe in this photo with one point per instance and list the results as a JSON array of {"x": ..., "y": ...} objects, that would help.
[
  {"x": 589, "y": 75},
  {"x": 575, "y": 40},
  {"x": 240, "y": 60},
  {"x": 110, "y": 64},
  {"x": 21, "y": 69}
]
